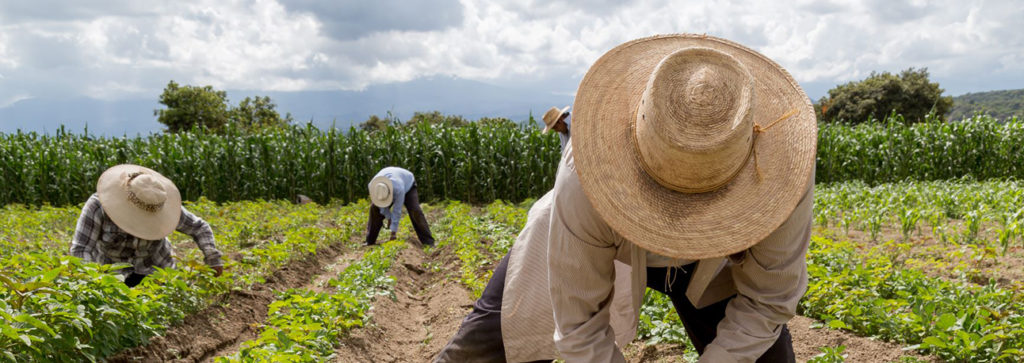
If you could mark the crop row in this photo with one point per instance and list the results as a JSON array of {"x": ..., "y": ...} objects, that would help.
[
  {"x": 62, "y": 309},
  {"x": 872, "y": 294},
  {"x": 304, "y": 325},
  {"x": 959, "y": 211},
  {"x": 474, "y": 163}
]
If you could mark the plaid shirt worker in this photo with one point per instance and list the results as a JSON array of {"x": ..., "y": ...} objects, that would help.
[{"x": 98, "y": 239}]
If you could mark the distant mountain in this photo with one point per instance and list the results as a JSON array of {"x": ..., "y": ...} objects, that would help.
[
  {"x": 998, "y": 104},
  {"x": 469, "y": 99}
]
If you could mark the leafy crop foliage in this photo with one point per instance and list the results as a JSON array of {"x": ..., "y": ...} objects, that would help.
[
  {"x": 994, "y": 206},
  {"x": 59, "y": 308},
  {"x": 304, "y": 325},
  {"x": 979, "y": 148},
  {"x": 474, "y": 163},
  {"x": 478, "y": 162},
  {"x": 871, "y": 294}
]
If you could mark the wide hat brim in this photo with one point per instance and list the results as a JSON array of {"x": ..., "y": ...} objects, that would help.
[
  {"x": 386, "y": 201},
  {"x": 140, "y": 223},
  {"x": 681, "y": 225},
  {"x": 548, "y": 126}
]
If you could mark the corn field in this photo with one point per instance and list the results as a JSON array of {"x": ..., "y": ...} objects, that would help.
[{"x": 474, "y": 163}]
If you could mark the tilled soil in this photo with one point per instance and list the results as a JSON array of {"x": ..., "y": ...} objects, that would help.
[
  {"x": 413, "y": 327},
  {"x": 430, "y": 305},
  {"x": 221, "y": 327}
]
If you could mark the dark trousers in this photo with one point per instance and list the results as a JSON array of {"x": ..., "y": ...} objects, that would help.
[
  {"x": 419, "y": 221},
  {"x": 702, "y": 324},
  {"x": 133, "y": 279},
  {"x": 479, "y": 337}
]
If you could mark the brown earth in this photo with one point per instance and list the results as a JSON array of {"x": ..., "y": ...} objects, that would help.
[
  {"x": 427, "y": 309},
  {"x": 1004, "y": 270},
  {"x": 219, "y": 329},
  {"x": 430, "y": 305}
]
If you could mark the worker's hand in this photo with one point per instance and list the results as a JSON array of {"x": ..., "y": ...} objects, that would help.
[
  {"x": 393, "y": 236},
  {"x": 217, "y": 270}
]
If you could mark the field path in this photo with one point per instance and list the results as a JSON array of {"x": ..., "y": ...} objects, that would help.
[{"x": 428, "y": 307}]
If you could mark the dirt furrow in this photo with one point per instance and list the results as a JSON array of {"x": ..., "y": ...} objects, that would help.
[
  {"x": 427, "y": 308},
  {"x": 235, "y": 317}
]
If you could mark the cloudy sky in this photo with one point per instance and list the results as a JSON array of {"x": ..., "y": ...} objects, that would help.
[{"x": 104, "y": 62}]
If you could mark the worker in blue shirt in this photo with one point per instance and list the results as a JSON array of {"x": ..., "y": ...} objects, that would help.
[{"x": 391, "y": 188}]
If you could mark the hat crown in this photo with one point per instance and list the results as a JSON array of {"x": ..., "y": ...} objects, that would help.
[
  {"x": 147, "y": 190},
  {"x": 693, "y": 126},
  {"x": 551, "y": 116},
  {"x": 381, "y": 191}
]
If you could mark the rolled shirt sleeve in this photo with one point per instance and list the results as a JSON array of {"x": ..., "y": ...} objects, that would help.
[
  {"x": 581, "y": 255},
  {"x": 202, "y": 234},
  {"x": 87, "y": 231},
  {"x": 770, "y": 281}
]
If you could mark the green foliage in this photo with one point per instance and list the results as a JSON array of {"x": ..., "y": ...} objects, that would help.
[
  {"x": 188, "y": 107},
  {"x": 304, "y": 325},
  {"x": 258, "y": 113},
  {"x": 377, "y": 123},
  {"x": 871, "y": 294},
  {"x": 909, "y": 94},
  {"x": 1001, "y": 105},
  {"x": 911, "y": 206},
  {"x": 436, "y": 118},
  {"x": 475, "y": 163},
  {"x": 980, "y": 148},
  {"x": 830, "y": 355},
  {"x": 478, "y": 163},
  {"x": 59, "y": 308}
]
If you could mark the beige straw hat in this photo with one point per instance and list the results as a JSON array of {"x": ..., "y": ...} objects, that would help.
[
  {"x": 692, "y": 146},
  {"x": 140, "y": 201},
  {"x": 381, "y": 191},
  {"x": 551, "y": 117}
]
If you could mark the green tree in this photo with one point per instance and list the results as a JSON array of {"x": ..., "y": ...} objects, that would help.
[
  {"x": 190, "y": 106},
  {"x": 436, "y": 118},
  {"x": 258, "y": 113},
  {"x": 377, "y": 123},
  {"x": 910, "y": 94}
]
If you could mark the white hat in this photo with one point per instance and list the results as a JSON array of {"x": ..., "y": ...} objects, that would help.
[
  {"x": 140, "y": 201},
  {"x": 381, "y": 191}
]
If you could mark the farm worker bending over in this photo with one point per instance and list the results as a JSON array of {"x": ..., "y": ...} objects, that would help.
[
  {"x": 695, "y": 180},
  {"x": 558, "y": 120},
  {"x": 129, "y": 218},
  {"x": 391, "y": 188}
]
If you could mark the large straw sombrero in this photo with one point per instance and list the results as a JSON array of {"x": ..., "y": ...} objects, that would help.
[
  {"x": 551, "y": 117},
  {"x": 381, "y": 191},
  {"x": 692, "y": 146},
  {"x": 140, "y": 201}
]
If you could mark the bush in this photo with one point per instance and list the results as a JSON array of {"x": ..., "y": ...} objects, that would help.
[{"x": 909, "y": 94}]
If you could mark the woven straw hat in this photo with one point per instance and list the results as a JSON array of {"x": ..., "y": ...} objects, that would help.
[
  {"x": 692, "y": 146},
  {"x": 381, "y": 191},
  {"x": 140, "y": 201},
  {"x": 552, "y": 116}
]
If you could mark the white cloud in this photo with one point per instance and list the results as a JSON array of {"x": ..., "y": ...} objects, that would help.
[{"x": 114, "y": 50}]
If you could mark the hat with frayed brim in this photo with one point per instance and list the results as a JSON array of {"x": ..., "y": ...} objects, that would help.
[
  {"x": 381, "y": 191},
  {"x": 692, "y": 146},
  {"x": 551, "y": 117},
  {"x": 140, "y": 201}
]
